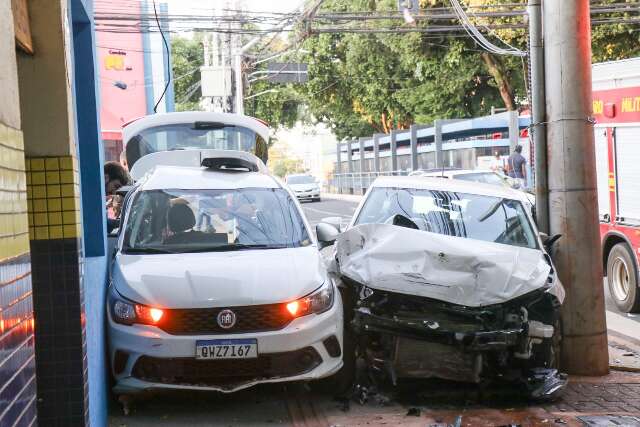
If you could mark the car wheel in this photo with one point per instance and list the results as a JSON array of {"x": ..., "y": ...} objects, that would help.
[{"x": 622, "y": 277}]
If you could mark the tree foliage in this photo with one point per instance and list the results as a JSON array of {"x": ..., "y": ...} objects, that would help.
[
  {"x": 187, "y": 56},
  {"x": 360, "y": 84}
]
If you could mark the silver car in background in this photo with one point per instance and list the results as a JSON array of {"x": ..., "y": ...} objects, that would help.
[{"x": 304, "y": 186}]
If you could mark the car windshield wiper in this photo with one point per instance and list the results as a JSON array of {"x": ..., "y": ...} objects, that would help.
[
  {"x": 148, "y": 250},
  {"x": 492, "y": 209},
  {"x": 234, "y": 247}
]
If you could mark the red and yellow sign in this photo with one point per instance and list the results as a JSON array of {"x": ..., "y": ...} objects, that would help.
[{"x": 617, "y": 105}]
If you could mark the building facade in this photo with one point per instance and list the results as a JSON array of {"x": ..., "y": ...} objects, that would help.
[{"x": 133, "y": 67}]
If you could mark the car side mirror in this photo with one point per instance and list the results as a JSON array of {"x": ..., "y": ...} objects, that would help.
[
  {"x": 549, "y": 241},
  {"x": 334, "y": 221},
  {"x": 327, "y": 234}
]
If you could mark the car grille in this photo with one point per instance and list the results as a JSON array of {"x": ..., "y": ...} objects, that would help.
[
  {"x": 225, "y": 372},
  {"x": 203, "y": 321}
]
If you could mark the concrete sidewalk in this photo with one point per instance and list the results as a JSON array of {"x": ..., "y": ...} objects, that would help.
[{"x": 613, "y": 400}]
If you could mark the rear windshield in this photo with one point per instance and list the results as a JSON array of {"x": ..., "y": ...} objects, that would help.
[
  {"x": 472, "y": 216},
  {"x": 197, "y": 135},
  {"x": 170, "y": 221}
]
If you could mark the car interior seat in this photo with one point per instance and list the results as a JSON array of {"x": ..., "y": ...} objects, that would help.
[{"x": 181, "y": 221}]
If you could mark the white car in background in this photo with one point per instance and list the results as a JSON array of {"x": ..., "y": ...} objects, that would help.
[
  {"x": 304, "y": 186},
  {"x": 476, "y": 175}
]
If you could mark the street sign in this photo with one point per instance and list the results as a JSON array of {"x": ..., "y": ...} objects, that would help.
[{"x": 287, "y": 72}]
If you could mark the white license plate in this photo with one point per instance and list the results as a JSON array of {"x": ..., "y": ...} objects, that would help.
[{"x": 227, "y": 349}]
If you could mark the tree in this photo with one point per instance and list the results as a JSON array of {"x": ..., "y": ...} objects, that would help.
[{"x": 187, "y": 56}]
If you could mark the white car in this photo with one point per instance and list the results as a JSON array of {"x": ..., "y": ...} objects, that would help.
[
  {"x": 217, "y": 283},
  {"x": 477, "y": 175},
  {"x": 305, "y": 187},
  {"x": 451, "y": 280}
]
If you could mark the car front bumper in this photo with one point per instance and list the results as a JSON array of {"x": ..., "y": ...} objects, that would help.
[
  {"x": 145, "y": 357},
  {"x": 308, "y": 195}
]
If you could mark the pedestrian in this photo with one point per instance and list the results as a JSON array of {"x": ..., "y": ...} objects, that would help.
[
  {"x": 115, "y": 176},
  {"x": 497, "y": 165},
  {"x": 516, "y": 166}
]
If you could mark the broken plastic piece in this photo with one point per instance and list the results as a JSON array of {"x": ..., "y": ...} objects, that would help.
[{"x": 546, "y": 384}]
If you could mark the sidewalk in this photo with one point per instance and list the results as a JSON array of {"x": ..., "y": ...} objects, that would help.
[{"x": 613, "y": 400}]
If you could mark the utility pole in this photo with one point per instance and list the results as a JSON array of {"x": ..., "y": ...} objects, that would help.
[
  {"x": 538, "y": 112},
  {"x": 572, "y": 184},
  {"x": 237, "y": 71}
]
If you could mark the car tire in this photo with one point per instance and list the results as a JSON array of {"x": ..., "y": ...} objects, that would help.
[{"x": 622, "y": 278}]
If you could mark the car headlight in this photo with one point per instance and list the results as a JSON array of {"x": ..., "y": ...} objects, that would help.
[
  {"x": 127, "y": 312},
  {"x": 317, "y": 302}
]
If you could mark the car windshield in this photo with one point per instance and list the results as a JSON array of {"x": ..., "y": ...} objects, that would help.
[
  {"x": 197, "y": 135},
  {"x": 472, "y": 216},
  {"x": 301, "y": 179},
  {"x": 171, "y": 221},
  {"x": 485, "y": 177}
]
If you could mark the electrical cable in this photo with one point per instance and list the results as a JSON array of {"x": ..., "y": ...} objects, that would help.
[{"x": 166, "y": 46}]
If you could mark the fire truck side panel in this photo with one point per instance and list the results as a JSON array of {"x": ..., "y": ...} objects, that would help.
[{"x": 616, "y": 108}]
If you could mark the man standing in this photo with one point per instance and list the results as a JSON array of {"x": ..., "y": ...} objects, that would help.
[
  {"x": 516, "y": 166},
  {"x": 115, "y": 176}
]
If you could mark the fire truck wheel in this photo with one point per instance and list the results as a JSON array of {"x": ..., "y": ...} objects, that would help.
[{"x": 622, "y": 277}]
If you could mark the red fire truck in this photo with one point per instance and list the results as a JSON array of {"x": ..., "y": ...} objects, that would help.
[{"x": 616, "y": 108}]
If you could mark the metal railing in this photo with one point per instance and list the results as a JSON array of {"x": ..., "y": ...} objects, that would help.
[{"x": 357, "y": 182}]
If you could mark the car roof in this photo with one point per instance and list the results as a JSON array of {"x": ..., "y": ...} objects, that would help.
[
  {"x": 454, "y": 172},
  {"x": 458, "y": 186},
  {"x": 198, "y": 178}
]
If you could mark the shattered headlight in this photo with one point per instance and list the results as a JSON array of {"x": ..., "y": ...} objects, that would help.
[{"x": 317, "y": 302}]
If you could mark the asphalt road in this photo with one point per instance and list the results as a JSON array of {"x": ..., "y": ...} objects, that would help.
[{"x": 316, "y": 211}]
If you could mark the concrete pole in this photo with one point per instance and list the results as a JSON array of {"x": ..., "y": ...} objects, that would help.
[
  {"x": 237, "y": 71},
  {"x": 538, "y": 112},
  {"x": 437, "y": 139},
  {"x": 393, "y": 146},
  {"x": 338, "y": 170},
  {"x": 362, "y": 160},
  {"x": 514, "y": 130},
  {"x": 572, "y": 185},
  {"x": 414, "y": 147}
]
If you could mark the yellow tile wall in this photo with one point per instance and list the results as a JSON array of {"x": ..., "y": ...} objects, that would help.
[
  {"x": 53, "y": 193},
  {"x": 14, "y": 237}
]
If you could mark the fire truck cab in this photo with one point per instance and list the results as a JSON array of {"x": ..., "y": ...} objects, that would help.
[{"x": 616, "y": 108}]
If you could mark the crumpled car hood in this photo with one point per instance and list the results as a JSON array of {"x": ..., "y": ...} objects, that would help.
[{"x": 456, "y": 270}]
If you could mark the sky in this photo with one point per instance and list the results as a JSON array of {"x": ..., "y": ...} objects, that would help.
[{"x": 179, "y": 6}]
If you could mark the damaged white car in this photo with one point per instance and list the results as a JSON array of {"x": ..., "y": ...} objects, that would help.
[{"x": 451, "y": 280}]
